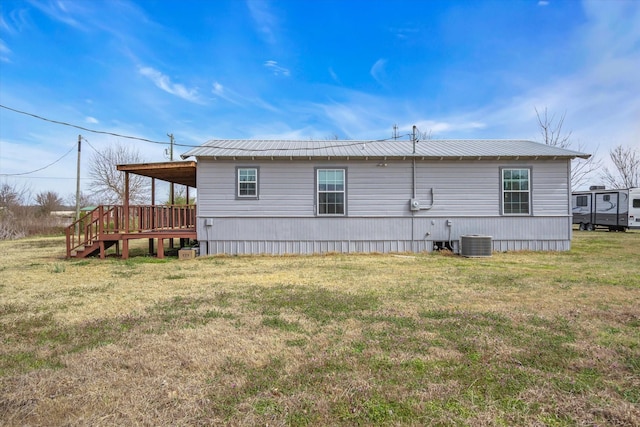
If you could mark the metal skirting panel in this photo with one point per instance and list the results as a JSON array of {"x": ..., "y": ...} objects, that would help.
[
  {"x": 382, "y": 229},
  {"x": 234, "y": 247},
  {"x": 378, "y": 235},
  {"x": 531, "y": 245}
]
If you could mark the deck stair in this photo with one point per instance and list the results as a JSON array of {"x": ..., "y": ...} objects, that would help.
[
  {"x": 93, "y": 249},
  {"x": 109, "y": 225}
]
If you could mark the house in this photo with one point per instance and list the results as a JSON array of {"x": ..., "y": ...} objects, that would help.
[{"x": 303, "y": 197}]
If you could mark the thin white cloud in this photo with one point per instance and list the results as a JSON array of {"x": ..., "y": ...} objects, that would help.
[
  {"x": 279, "y": 130},
  {"x": 218, "y": 89},
  {"x": 57, "y": 10},
  {"x": 91, "y": 120},
  {"x": 405, "y": 33},
  {"x": 265, "y": 21},
  {"x": 277, "y": 69},
  {"x": 437, "y": 128},
  {"x": 5, "y": 52},
  {"x": 543, "y": 3},
  {"x": 334, "y": 76},
  {"x": 598, "y": 101},
  {"x": 377, "y": 70},
  {"x": 224, "y": 93},
  {"x": 16, "y": 21},
  {"x": 164, "y": 82}
]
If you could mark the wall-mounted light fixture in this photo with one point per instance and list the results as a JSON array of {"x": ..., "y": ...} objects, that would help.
[{"x": 382, "y": 165}]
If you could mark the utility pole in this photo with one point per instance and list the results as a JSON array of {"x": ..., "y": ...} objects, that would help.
[
  {"x": 170, "y": 135},
  {"x": 78, "y": 182},
  {"x": 78, "y": 187},
  {"x": 395, "y": 131},
  {"x": 413, "y": 138}
]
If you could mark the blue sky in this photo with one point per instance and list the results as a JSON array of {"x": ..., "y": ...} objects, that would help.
[{"x": 303, "y": 69}]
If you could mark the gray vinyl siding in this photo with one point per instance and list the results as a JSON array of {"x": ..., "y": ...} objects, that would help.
[
  {"x": 285, "y": 189},
  {"x": 459, "y": 188},
  {"x": 283, "y": 220}
]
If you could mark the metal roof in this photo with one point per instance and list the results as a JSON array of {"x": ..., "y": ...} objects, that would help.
[
  {"x": 349, "y": 149},
  {"x": 177, "y": 172}
]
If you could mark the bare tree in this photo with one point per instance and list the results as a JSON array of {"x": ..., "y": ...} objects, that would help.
[
  {"x": 627, "y": 164},
  {"x": 551, "y": 129},
  {"x": 553, "y": 135},
  {"x": 108, "y": 183},
  {"x": 12, "y": 195},
  {"x": 48, "y": 201},
  {"x": 85, "y": 199},
  {"x": 13, "y": 211}
]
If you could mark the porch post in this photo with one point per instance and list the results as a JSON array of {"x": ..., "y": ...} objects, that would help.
[
  {"x": 161, "y": 247},
  {"x": 153, "y": 213},
  {"x": 171, "y": 211},
  {"x": 126, "y": 202}
]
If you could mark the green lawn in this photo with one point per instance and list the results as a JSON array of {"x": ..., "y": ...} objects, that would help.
[{"x": 520, "y": 338}]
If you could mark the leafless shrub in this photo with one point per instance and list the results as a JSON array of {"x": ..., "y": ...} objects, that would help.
[{"x": 23, "y": 221}]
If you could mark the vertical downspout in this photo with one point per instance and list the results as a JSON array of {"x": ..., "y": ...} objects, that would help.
[
  {"x": 413, "y": 138},
  {"x": 413, "y": 185}
]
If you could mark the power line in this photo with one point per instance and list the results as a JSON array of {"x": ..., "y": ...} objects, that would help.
[
  {"x": 248, "y": 150},
  {"x": 47, "y": 177},
  {"x": 42, "y": 168},
  {"x": 95, "y": 149},
  {"x": 81, "y": 127}
]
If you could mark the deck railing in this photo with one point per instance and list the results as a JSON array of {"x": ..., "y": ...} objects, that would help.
[{"x": 108, "y": 220}]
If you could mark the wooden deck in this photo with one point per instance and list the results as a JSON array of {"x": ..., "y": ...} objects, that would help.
[{"x": 110, "y": 225}]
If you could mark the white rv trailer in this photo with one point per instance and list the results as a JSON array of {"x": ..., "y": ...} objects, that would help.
[{"x": 618, "y": 210}]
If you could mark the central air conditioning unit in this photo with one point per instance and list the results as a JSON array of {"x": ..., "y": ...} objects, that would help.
[{"x": 475, "y": 246}]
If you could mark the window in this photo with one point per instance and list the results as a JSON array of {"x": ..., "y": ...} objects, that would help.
[
  {"x": 331, "y": 191},
  {"x": 582, "y": 201},
  {"x": 606, "y": 198},
  {"x": 247, "y": 183},
  {"x": 636, "y": 203},
  {"x": 516, "y": 193}
]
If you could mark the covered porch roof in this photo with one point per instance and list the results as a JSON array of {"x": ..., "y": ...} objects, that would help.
[{"x": 183, "y": 173}]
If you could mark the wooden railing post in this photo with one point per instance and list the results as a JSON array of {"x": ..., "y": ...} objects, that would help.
[
  {"x": 100, "y": 220},
  {"x": 68, "y": 235}
]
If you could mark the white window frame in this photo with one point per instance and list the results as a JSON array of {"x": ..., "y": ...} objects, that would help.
[
  {"x": 343, "y": 191},
  {"x": 511, "y": 190},
  {"x": 256, "y": 170}
]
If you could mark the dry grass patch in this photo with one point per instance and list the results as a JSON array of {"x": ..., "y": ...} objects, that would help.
[{"x": 515, "y": 339}]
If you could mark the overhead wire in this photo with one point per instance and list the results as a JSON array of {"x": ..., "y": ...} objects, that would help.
[
  {"x": 253, "y": 150},
  {"x": 82, "y": 127},
  {"x": 42, "y": 168},
  {"x": 95, "y": 149}
]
